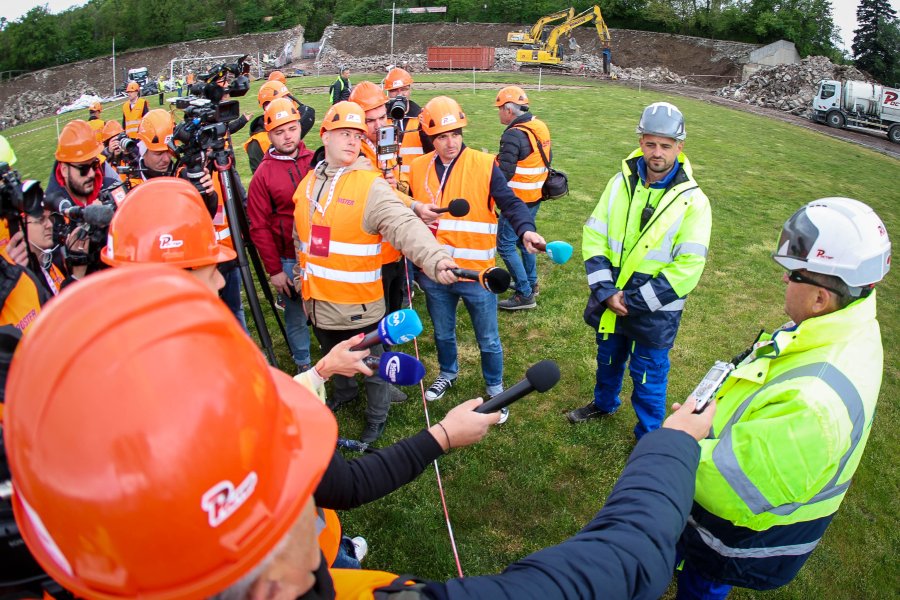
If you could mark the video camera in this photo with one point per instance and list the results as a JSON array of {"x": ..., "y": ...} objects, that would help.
[
  {"x": 204, "y": 105},
  {"x": 17, "y": 197},
  {"x": 92, "y": 221}
]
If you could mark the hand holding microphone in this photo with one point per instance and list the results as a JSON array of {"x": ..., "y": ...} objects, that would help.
[
  {"x": 458, "y": 207},
  {"x": 541, "y": 377},
  {"x": 397, "y": 368},
  {"x": 398, "y": 327},
  {"x": 493, "y": 279},
  {"x": 558, "y": 251}
]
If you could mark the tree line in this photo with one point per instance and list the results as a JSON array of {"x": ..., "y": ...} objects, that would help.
[{"x": 40, "y": 39}]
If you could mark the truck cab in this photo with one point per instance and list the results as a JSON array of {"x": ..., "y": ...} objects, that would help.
[{"x": 827, "y": 97}]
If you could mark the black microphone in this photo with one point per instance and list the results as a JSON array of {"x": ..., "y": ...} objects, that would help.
[
  {"x": 493, "y": 279},
  {"x": 98, "y": 215},
  {"x": 541, "y": 377},
  {"x": 458, "y": 207}
]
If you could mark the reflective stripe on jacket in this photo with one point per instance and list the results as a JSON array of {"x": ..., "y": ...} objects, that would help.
[
  {"x": 389, "y": 254},
  {"x": 133, "y": 116},
  {"x": 790, "y": 428},
  {"x": 471, "y": 240},
  {"x": 351, "y": 273},
  {"x": 411, "y": 145},
  {"x": 657, "y": 266},
  {"x": 528, "y": 181}
]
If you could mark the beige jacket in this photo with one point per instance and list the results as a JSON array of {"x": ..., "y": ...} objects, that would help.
[{"x": 384, "y": 214}]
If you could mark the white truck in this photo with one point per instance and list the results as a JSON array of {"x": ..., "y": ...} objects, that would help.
[{"x": 858, "y": 105}]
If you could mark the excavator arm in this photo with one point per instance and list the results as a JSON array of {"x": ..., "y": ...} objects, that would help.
[{"x": 533, "y": 36}]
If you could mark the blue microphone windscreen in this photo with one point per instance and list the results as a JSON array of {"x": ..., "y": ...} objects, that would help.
[
  {"x": 560, "y": 252},
  {"x": 400, "y": 369},
  {"x": 400, "y": 326}
]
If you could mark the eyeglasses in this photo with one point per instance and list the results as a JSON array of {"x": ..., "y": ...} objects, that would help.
[
  {"x": 83, "y": 170},
  {"x": 798, "y": 277},
  {"x": 43, "y": 220}
]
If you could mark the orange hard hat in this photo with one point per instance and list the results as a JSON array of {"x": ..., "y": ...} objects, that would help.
[
  {"x": 95, "y": 107},
  {"x": 440, "y": 115},
  {"x": 269, "y": 91},
  {"x": 279, "y": 112},
  {"x": 344, "y": 115},
  {"x": 368, "y": 95},
  {"x": 133, "y": 86},
  {"x": 173, "y": 459},
  {"x": 77, "y": 143},
  {"x": 277, "y": 76},
  {"x": 156, "y": 130},
  {"x": 110, "y": 129},
  {"x": 397, "y": 78},
  {"x": 164, "y": 220},
  {"x": 512, "y": 93}
]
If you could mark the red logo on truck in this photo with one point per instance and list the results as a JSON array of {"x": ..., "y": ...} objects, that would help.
[{"x": 890, "y": 98}]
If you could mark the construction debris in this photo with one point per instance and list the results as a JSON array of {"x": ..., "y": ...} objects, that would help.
[{"x": 790, "y": 88}]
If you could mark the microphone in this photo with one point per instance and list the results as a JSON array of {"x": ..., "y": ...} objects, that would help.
[
  {"x": 541, "y": 377},
  {"x": 397, "y": 368},
  {"x": 396, "y": 328},
  {"x": 559, "y": 252},
  {"x": 458, "y": 207},
  {"x": 98, "y": 215},
  {"x": 493, "y": 279}
]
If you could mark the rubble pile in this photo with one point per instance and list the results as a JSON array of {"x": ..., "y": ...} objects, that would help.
[
  {"x": 30, "y": 104},
  {"x": 790, "y": 88}
]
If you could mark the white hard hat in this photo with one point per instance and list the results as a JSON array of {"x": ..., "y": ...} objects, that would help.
[
  {"x": 836, "y": 236},
  {"x": 663, "y": 119}
]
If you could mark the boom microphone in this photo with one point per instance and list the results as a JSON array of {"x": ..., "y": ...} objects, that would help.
[
  {"x": 541, "y": 377},
  {"x": 98, "y": 215},
  {"x": 559, "y": 252},
  {"x": 397, "y": 368},
  {"x": 458, "y": 207},
  {"x": 493, "y": 279},
  {"x": 396, "y": 328}
]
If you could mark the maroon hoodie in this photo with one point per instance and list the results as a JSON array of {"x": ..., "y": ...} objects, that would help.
[{"x": 270, "y": 205}]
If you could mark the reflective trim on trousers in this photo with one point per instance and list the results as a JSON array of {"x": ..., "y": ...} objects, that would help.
[
  {"x": 467, "y": 226},
  {"x": 343, "y": 276},
  {"x": 719, "y": 547},
  {"x": 470, "y": 253},
  {"x": 726, "y": 462}
]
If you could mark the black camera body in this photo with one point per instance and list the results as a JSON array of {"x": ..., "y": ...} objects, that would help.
[
  {"x": 397, "y": 107},
  {"x": 17, "y": 197}
]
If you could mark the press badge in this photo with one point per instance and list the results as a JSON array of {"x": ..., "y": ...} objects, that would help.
[{"x": 320, "y": 240}]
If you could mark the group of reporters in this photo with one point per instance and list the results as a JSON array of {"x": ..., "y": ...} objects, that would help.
[{"x": 327, "y": 228}]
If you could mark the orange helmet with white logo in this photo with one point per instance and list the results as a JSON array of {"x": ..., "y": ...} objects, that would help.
[
  {"x": 173, "y": 459},
  {"x": 397, "y": 78},
  {"x": 269, "y": 91},
  {"x": 440, "y": 115},
  {"x": 77, "y": 143},
  {"x": 368, "y": 95},
  {"x": 344, "y": 115},
  {"x": 156, "y": 130},
  {"x": 164, "y": 220},
  {"x": 279, "y": 112}
]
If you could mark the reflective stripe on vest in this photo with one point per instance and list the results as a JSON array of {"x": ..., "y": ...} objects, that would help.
[
  {"x": 472, "y": 238},
  {"x": 351, "y": 273},
  {"x": 720, "y": 548},
  {"x": 726, "y": 461},
  {"x": 411, "y": 145},
  {"x": 528, "y": 180}
]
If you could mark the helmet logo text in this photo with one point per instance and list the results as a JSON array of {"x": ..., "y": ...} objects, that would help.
[
  {"x": 166, "y": 242},
  {"x": 223, "y": 499}
]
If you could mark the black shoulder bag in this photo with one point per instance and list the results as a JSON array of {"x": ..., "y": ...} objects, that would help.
[{"x": 557, "y": 183}]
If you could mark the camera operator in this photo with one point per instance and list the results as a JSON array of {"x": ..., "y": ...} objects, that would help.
[
  {"x": 111, "y": 136},
  {"x": 258, "y": 144},
  {"x": 21, "y": 293},
  {"x": 41, "y": 250},
  {"x": 398, "y": 85},
  {"x": 78, "y": 175}
]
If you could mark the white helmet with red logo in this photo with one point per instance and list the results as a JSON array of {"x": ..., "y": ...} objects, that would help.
[{"x": 837, "y": 236}]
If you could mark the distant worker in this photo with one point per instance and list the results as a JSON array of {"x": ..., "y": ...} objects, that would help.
[
  {"x": 190, "y": 80},
  {"x": 341, "y": 88},
  {"x": 94, "y": 119},
  {"x": 257, "y": 144},
  {"x": 161, "y": 87},
  {"x": 398, "y": 83},
  {"x": 134, "y": 109},
  {"x": 277, "y": 76},
  {"x": 645, "y": 248},
  {"x": 179, "y": 85},
  {"x": 794, "y": 417},
  {"x": 524, "y": 157}
]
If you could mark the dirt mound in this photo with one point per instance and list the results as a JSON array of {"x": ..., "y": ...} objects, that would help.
[{"x": 790, "y": 88}]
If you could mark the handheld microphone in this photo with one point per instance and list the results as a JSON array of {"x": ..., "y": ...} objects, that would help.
[
  {"x": 98, "y": 215},
  {"x": 559, "y": 252},
  {"x": 541, "y": 377},
  {"x": 493, "y": 279},
  {"x": 397, "y": 368},
  {"x": 396, "y": 328},
  {"x": 458, "y": 207}
]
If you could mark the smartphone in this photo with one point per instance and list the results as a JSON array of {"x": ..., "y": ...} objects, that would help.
[
  {"x": 710, "y": 384},
  {"x": 387, "y": 143}
]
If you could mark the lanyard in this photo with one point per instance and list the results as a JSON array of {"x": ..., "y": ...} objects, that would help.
[
  {"x": 437, "y": 200},
  {"x": 316, "y": 204}
]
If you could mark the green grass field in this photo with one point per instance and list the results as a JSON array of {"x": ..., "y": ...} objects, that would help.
[{"x": 536, "y": 480}]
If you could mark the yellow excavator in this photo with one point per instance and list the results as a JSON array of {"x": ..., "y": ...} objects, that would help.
[
  {"x": 536, "y": 33},
  {"x": 549, "y": 52}
]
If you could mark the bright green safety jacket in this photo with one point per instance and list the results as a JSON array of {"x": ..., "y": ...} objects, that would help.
[
  {"x": 657, "y": 266},
  {"x": 792, "y": 422}
]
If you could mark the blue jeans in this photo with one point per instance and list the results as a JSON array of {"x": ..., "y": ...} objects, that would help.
[
  {"x": 691, "y": 586},
  {"x": 346, "y": 556},
  {"x": 295, "y": 320},
  {"x": 442, "y": 301},
  {"x": 649, "y": 369},
  {"x": 521, "y": 265},
  {"x": 231, "y": 293}
]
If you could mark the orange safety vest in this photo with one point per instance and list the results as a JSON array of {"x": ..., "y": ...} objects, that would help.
[
  {"x": 4, "y": 239},
  {"x": 97, "y": 126},
  {"x": 133, "y": 116},
  {"x": 223, "y": 230},
  {"x": 54, "y": 277},
  {"x": 360, "y": 584},
  {"x": 389, "y": 254},
  {"x": 22, "y": 305},
  {"x": 262, "y": 138},
  {"x": 471, "y": 240},
  {"x": 411, "y": 145},
  {"x": 528, "y": 181},
  {"x": 351, "y": 273},
  {"x": 329, "y": 527}
]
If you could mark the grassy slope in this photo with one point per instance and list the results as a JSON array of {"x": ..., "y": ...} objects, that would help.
[{"x": 536, "y": 480}]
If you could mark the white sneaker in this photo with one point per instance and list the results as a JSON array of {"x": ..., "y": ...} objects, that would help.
[
  {"x": 437, "y": 389},
  {"x": 360, "y": 547},
  {"x": 504, "y": 415}
]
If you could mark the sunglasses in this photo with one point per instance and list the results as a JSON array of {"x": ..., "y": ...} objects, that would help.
[
  {"x": 83, "y": 170},
  {"x": 798, "y": 277}
]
